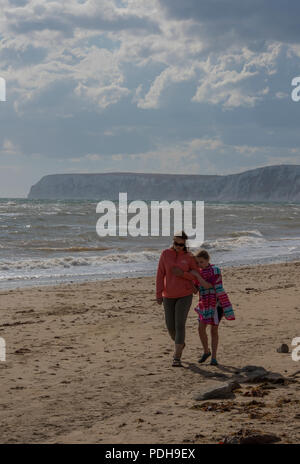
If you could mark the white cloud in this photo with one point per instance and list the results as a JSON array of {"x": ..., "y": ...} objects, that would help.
[
  {"x": 98, "y": 80},
  {"x": 167, "y": 77},
  {"x": 98, "y": 72},
  {"x": 281, "y": 95},
  {"x": 9, "y": 148},
  {"x": 222, "y": 82}
]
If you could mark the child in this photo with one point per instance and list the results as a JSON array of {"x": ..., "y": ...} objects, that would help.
[{"x": 213, "y": 304}]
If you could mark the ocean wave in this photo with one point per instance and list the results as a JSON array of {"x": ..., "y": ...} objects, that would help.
[
  {"x": 73, "y": 249},
  {"x": 12, "y": 215},
  {"x": 238, "y": 241},
  {"x": 71, "y": 261},
  {"x": 246, "y": 233}
]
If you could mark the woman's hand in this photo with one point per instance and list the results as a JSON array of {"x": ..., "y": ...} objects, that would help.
[
  {"x": 159, "y": 301},
  {"x": 201, "y": 281},
  {"x": 177, "y": 271},
  {"x": 196, "y": 274}
]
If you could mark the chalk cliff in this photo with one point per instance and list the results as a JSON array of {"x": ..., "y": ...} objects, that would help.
[{"x": 271, "y": 183}]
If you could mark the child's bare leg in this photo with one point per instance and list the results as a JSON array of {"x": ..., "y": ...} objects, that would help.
[
  {"x": 203, "y": 336},
  {"x": 214, "y": 340}
]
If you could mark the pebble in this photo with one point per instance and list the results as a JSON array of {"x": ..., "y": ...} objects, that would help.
[
  {"x": 223, "y": 391},
  {"x": 283, "y": 348}
]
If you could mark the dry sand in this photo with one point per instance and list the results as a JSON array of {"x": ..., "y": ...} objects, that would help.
[{"x": 91, "y": 362}]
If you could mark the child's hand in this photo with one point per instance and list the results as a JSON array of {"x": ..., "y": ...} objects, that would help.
[{"x": 194, "y": 288}]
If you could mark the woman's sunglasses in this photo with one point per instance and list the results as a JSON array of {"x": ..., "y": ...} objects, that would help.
[{"x": 179, "y": 244}]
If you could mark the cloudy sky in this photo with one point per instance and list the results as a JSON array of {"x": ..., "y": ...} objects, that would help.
[{"x": 172, "y": 86}]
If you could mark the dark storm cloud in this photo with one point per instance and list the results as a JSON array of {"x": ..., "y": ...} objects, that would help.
[
  {"x": 24, "y": 26},
  {"x": 20, "y": 58},
  {"x": 238, "y": 21},
  {"x": 180, "y": 100},
  {"x": 18, "y": 2},
  {"x": 67, "y": 22}
]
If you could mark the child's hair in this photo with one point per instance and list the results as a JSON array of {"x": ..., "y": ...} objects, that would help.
[{"x": 203, "y": 254}]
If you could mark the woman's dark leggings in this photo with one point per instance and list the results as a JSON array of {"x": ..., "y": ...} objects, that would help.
[{"x": 176, "y": 311}]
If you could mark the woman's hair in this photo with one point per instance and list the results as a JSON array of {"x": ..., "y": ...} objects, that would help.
[
  {"x": 202, "y": 254},
  {"x": 183, "y": 235}
]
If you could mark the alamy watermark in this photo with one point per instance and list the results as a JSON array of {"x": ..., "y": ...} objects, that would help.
[
  {"x": 2, "y": 89},
  {"x": 296, "y": 91},
  {"x": 2, "y": 350},
  {"x": 144, "y": 220},
  {"x": 296, "y": 351}
]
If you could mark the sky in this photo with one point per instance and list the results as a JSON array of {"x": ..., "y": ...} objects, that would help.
[{"x": 170, "y": 86}]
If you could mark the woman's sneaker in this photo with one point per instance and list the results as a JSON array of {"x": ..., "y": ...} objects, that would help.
[
  {"x": 204, "y": 357},
  {"x": 214, "y": 362},
  {"x": 176, "y": 362}
]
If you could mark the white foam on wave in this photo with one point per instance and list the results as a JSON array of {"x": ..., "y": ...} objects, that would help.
[
  {"x": 242, "y": 239},
  {"x": 72, "y": 261},
  {"x": 247, "y": 233}
]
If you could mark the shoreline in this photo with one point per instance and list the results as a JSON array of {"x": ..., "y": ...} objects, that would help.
[
  {"x": 31, "y": 284},
  {"x": 91, "y": 362}
]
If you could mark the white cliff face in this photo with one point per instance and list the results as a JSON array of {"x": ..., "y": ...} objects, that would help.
[{"x": 272, "y": 183}]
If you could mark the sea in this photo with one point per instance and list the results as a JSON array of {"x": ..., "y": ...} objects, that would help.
[{"x": 45, "y": 242}]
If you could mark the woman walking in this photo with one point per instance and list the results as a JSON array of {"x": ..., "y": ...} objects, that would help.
[{"x": 175, "y": 288}]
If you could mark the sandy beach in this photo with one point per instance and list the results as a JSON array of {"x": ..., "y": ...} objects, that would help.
[{"x": 91, "y": 363}]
